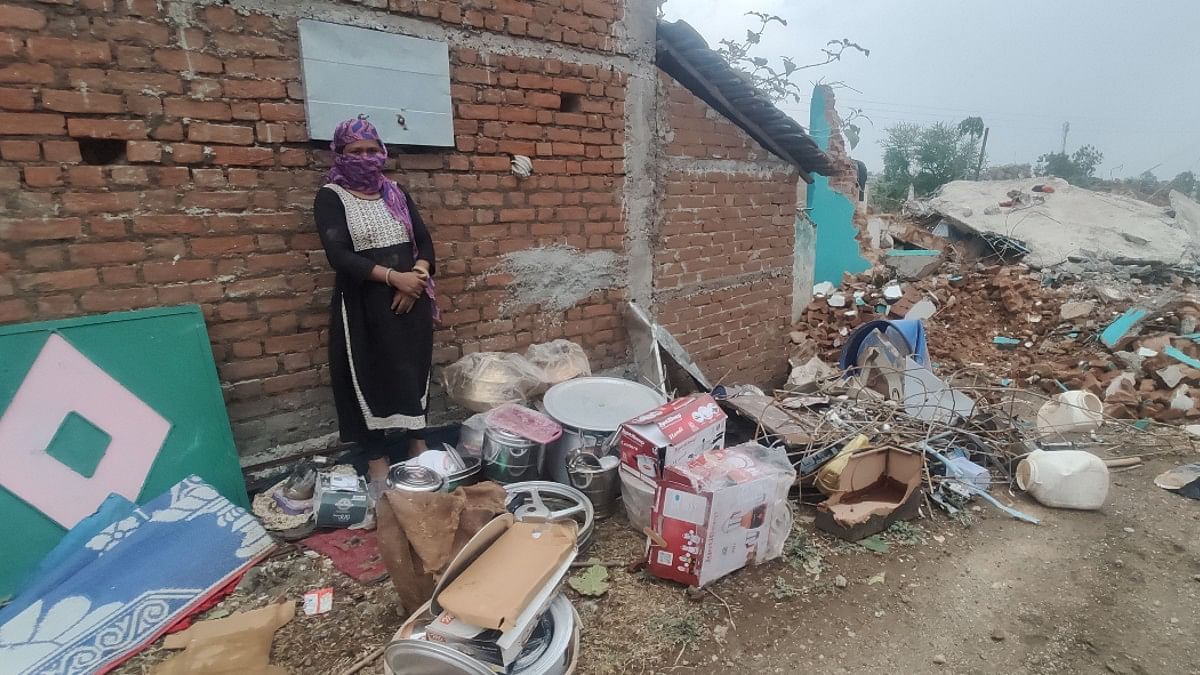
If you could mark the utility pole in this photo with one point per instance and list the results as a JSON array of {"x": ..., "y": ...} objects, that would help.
[
  {"x": 982, "y": 150},
  {"x": 1066, "y": 130}
]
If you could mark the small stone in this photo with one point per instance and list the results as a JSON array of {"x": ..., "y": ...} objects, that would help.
[
  {"x": 939, "y": 659},
  {"x": 1128, "y": 530},
  {"x": 1174, "y": 621},
  {"x": 1119, "y": 563},
  {"x": 1196, "y": 577},
  {"x": 840, "y": 581},
  {"x": 998, "y": 635}
]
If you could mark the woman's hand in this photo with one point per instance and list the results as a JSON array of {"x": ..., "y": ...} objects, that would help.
[
  {"x": 409, "y": 283},
  {"x": 402, "y": 302}
]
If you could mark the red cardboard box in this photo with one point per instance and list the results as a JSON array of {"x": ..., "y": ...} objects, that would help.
[
  {"x": 720, "y": 511},
  {"x": 672, "y": 434}
]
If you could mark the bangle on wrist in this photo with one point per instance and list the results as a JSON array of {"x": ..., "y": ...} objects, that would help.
[{"x": 387, "y": 276}]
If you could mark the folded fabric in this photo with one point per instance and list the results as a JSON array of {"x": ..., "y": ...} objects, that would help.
[
  {"x": 421, "y": 532},
  {"x": 130, "y": 582}
]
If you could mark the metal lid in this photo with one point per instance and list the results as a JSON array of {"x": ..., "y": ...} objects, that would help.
[
  {"x": 599, "y": 403},
  {"x": 418, "y": 657},
  {"x": 415, "y": 478}
]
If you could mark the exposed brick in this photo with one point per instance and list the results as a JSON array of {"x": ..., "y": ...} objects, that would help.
[
  {"x": 179, "y": 270},
  {"x": 202, "y": 132},
  {"x": 112, "y": 129},
  {"x": 81, "y": 102},
  {"x": 255, "y": 89},
  {"x": 113, "y": 300},
  {"x": 22, "y": 18},
  {"x": 247, "y": 44},
  {"x": 282, "y": 112},
  {"x": 31, "y": 124},
  {"x": 16, "y": 99},
  {"x": 39, "y": 229},
  {"x": 93, "y": 202},
  {"x": 204, "y": 110},
  {"x": 144, "y": 151},
  {"x": 68, "y": 51},
  {"x": 107, "y": 253},
  {"x": 33, "y": 73},
  {"x": 20, "y": 151},
  {"x": 187, "y": 62},
  {"x": 43, "y": 176},
  {"x": 210, "y": 247},
  {"x": 186, "y": 153},
  {"x": 64, "y": 280},
  {"x": 13, "y": 310},
  {"x": 234, "y": 156}
]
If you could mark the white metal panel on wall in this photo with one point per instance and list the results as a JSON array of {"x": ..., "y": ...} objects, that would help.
[{"x": 401, "y": 83}]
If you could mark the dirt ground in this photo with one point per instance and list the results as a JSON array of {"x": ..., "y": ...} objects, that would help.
[{"x": 1084, "y": 592}]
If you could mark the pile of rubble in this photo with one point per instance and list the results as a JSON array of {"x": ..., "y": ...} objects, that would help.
[{"x": 1119, "y": 327}]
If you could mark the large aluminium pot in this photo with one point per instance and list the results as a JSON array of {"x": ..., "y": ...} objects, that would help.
[{"x": 590, "y": 410}]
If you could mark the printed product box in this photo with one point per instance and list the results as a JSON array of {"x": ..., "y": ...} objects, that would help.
[
  {"x": 671, "y": 434},
  {"x": 720, "y": 511}
]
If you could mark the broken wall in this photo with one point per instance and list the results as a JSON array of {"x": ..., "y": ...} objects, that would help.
[
  {"x": 833, "y": 201},
  {"x": 155, "y": 153},
  {"x": 725, "y": 241}
]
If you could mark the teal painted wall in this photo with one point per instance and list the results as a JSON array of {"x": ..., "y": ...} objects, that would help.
[{"x": 833, "y": 213}]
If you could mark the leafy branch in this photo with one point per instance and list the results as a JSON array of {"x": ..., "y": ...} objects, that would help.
[{"x": 775, "y": 81}]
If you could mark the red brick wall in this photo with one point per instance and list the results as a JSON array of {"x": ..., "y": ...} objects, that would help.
[
  {"x": 723, "y": 265},
  {"x": 210, "y": 201}
]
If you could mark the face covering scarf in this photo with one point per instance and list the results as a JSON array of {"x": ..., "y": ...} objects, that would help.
[{"x": 364, "y": 173}]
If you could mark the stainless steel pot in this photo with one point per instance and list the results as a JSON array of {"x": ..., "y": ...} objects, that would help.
[
  {"x": 413, "y": 478},
  {"x": 596, "y": 478},
  {"x": 590, "y": 410},
  {"x": 508, "y": 458}
]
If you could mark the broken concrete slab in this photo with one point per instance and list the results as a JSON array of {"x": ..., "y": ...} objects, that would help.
[
  {"x": 1071, "y": 311},
  {"x": 1070, "y": 219},
  {"x": 921, "y": 310},
  {"x": 913, "y": 264},
  {"x": 1171, "y": 375}
]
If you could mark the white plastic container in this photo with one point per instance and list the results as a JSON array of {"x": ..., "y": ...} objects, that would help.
[
  {"x": 1071, "y": 411},
  {"x": 1065, "y": 479}
]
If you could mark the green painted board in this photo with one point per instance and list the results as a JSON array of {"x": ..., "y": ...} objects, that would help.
[{"x": 160, "y": 362}]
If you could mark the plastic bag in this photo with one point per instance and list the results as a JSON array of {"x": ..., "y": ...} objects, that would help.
[
  {"x": 484, "y": 380},
  {"x": 470, "y": 437},
  {"x": 560, "y": 360}
]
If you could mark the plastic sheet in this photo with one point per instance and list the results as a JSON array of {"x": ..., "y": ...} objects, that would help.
[
  {"x": 483, "y": 380},
  {"x": 560, "y": 360}
]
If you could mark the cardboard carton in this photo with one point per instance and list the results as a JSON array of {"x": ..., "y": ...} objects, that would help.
[
  {"x": 720, "y": 511},
  {"x": 672, "y": 434},
  {"x": 501, "y": 582},
  {"x": 874, "y": 489},
  {"x": 339, "y": 500}
]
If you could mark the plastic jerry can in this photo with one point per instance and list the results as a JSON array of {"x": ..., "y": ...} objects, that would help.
[{"x": 1065, "y": 479}]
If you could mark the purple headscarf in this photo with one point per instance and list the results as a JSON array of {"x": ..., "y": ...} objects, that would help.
[{"x": 364, "y": 173}]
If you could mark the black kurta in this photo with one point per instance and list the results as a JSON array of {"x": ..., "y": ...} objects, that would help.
[{"x": 379, "y": 361}]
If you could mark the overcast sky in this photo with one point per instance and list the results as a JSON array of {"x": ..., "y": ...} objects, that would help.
[{"x": 1125, "y": 75}]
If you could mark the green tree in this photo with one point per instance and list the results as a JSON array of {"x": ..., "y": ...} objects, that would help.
[
  {"x": 1079, "y": 168},
  {"x": 924, "y": 158}
]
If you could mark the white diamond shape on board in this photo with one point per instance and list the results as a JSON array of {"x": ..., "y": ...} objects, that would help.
[{"x": 62, "y": 381}]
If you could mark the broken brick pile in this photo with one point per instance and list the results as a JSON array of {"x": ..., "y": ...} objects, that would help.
[{"x": 1058, "y": 339}]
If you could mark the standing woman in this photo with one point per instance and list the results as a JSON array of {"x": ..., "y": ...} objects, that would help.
[{"x": 383, "y": 313}]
